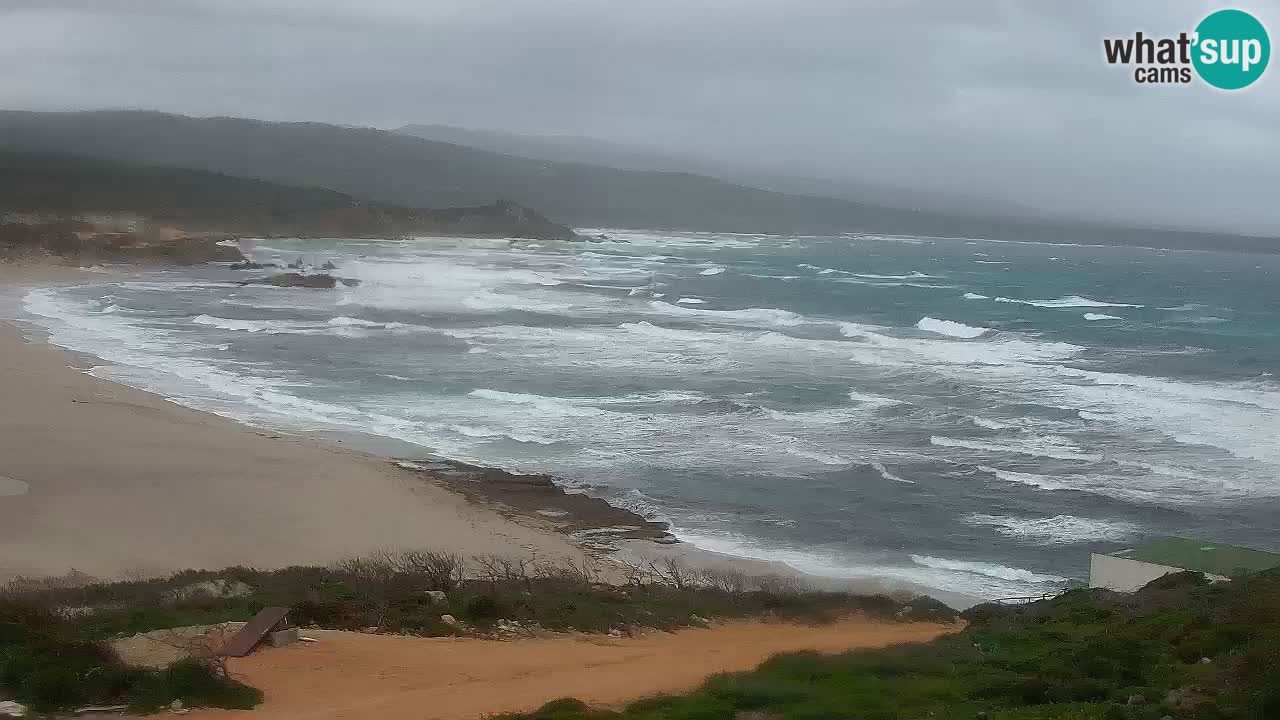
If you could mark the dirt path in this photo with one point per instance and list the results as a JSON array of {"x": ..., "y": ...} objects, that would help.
[{"x": 356, "y": 676}]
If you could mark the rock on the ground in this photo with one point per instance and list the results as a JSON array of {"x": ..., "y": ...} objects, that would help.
[
  {"x": 322, "y": 281},
  {"x": 436, "y": 596},
  {"x": 9, "y": 708},
  {"x": 449, "y": 620}
]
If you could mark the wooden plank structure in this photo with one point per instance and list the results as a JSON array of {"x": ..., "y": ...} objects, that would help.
[{"x": 267, "y": 621}]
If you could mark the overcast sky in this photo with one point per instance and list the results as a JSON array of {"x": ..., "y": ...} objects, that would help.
[{"x": 1010, "y": 100}]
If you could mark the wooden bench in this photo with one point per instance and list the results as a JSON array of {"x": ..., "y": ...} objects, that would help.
[{"x": 267, "y": 621}]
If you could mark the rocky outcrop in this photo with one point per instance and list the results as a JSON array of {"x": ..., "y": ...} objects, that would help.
[
  {"x": 247, "y": 265},
  {"x": 591, "y": 522},
  {"x": 501, "y": 219},
  {"x": 322, "y": 281},
  {"x": 68, "y": 240}
]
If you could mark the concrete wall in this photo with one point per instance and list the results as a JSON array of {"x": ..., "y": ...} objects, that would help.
[{"x": 1123, "y": 575}]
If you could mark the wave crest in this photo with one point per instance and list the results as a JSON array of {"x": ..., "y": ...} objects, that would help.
[{"x": 950, "y": 328}]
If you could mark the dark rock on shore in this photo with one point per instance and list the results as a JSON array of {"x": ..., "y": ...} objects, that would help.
[
  {"x": 590, "y": 521},
  {"x": 247, "y": 265},
  {"x": 322, "y": 281}
]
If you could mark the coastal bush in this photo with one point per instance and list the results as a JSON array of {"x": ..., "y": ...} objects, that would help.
[
  {"x": 49, "y": 663},
  {"x": 1085, "y": 655},
  {"x": 389, "y": 590},
  {"x": 58, "y": 660}
]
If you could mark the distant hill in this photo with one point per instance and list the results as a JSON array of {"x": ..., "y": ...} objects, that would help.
[
  {"x": 594, "y": 151},
  {"x": 198, "y": 200},
  {"x": 407, "y": 171}
]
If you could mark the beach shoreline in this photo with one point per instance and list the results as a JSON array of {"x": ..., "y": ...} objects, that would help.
[
  {"x": 114, "y": 482},
  {"x": 341, "y": 494}
]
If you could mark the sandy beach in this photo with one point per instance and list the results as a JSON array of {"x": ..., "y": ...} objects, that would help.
[{"x": 114, "y": 482}]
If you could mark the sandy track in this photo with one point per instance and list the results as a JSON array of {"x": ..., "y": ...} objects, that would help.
[{"x": 357, "y": 676}]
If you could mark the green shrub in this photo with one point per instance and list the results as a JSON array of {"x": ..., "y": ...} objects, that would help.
[{"x": 51, "y": 663}]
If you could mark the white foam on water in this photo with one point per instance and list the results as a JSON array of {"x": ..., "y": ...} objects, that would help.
[
  {"x": 271, "y": 327},
  {"x": 748, "y": 317},
  {"x": 975, "y": 296},
  {"x": 987, "y": 423},
  {"x": 1044, "y": 482},
  {"x": 913, "y": 275},
  {"x": 872, "y": 400},
  {"x": 980, "y": 580},
  {"x": 1101, "y": 316},
  {"x": 1003, "y": 572},
  {"x": 691, "y": 301},
  {"x": 950, "y": 328},
  {"x": 711, "y": 271},
  {"x": 1041, "y": 447},
  {"x": 558, "y": 406},
  {"x": 153, "y": 359},
  {"x": 1058, "y": 529},
  {"x": 892, "y": 283},
  {"x": 877, "y": 347},
  {"x": 344, "y": 321},
  {"x": 1069, "y": 301},
  {"x": 884, "y": 473},
  {"x": 1232, "y": 417},
  {"x": 809, "y": 451}
]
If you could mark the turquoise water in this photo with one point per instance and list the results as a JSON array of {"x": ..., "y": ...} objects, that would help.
[{"x": 970, "y": 415}]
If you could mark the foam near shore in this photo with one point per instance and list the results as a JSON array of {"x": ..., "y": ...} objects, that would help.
[{"x": 118, "y": 482}]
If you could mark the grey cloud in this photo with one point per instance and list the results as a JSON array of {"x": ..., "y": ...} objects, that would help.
[{"x": 1002, "y": 99}]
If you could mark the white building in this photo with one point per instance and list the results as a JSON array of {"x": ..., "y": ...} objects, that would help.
[{"x": 1128, "y": 570}]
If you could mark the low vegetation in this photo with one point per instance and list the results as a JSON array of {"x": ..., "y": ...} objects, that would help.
[
  {"x": 55, "y": 638},
  {"x": 1179, "y": 648},
  {"x": 50, "y": 662}
]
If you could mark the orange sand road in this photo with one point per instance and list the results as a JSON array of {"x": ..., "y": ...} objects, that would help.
[{"x": 357, "y": 677}]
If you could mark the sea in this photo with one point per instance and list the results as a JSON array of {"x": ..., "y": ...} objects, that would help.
[{"x": 970, "y": 415}]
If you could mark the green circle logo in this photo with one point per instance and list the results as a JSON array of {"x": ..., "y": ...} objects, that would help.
[{"x": 1232, "y": 49}]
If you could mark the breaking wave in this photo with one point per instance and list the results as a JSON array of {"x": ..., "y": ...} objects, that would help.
[
  {"x": 950, "y": 328},
  {"x": 1059, "y": 529},
  {"x": 1070, "y": 301}
]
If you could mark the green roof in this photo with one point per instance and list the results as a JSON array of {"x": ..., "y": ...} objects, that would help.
[{"x": 1201, "y": 556}]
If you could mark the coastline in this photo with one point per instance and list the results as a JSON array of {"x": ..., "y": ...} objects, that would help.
[
  {"x": 275, "y": 498},
  {"x": 114, "y": 482}
]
